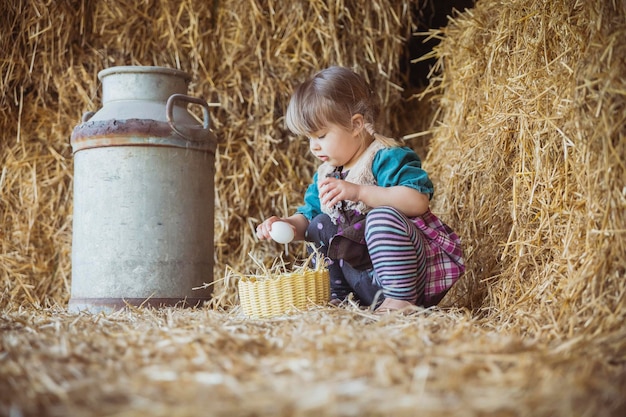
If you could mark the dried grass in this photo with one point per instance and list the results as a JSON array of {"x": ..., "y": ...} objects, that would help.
[
  {"x": 529, "y": 157},
  {"x": 327, "y": 361},
  {"x": 527, "y": 152}
]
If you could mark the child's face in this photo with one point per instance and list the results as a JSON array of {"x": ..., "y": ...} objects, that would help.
[{"x": 336, "y": 145}]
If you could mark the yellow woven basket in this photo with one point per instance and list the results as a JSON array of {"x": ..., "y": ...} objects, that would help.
[{"x": 263, "y": 297}]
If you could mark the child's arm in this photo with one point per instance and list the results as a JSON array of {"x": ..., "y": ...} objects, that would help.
[
  {"x": 408, "y": 200},
  {"x": 300, "y": 220}
]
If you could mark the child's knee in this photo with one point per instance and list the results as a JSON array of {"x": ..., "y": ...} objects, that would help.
[
  {"x": 383, "y": 212},
  {"x": 384, "y": 218}
]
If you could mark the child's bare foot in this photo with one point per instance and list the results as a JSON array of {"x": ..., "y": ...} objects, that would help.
[
  {"x": 335, "y": 302},
  {"x": 390, "y": 305}
]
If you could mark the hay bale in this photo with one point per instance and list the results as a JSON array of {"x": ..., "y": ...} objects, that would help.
[{"x": 529, "y": 157}]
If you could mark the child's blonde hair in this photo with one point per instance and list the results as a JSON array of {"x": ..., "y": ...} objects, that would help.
[{"x": 333, "y": 95}]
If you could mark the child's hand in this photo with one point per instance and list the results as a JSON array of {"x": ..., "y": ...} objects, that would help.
[
  {"x": 263, "y": 230},
  {"x": 333, "y": 190}
]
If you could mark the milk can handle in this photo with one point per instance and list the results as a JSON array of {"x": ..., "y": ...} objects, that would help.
[
  {"x": 169, "y": 110},
  {"x": 88, "y": 115}
]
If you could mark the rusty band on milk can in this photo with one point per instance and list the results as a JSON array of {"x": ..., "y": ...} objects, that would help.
[{"x": 145, "y": 132}]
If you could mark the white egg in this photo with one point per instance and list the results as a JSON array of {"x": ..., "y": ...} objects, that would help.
[{"x": 282, "y": 232}]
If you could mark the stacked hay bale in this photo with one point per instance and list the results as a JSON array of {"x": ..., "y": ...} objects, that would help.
[
  {"x": 246, "y": 55},
  {"x": 529, "y": 157}
]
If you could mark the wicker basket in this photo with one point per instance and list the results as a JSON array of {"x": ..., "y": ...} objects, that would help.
[{"x": 263, "y": 297}]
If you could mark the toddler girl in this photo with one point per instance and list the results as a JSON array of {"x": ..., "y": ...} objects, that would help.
[{"x": 367, "y": 209}]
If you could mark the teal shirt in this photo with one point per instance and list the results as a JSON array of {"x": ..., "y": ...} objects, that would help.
[{"x": 391, "y": 167}]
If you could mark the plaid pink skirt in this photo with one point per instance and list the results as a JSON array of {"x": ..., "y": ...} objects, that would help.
[{"x": 445, "y": 263}]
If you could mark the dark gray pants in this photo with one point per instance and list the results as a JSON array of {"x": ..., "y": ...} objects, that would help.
[{"x": 343, "y": 278}]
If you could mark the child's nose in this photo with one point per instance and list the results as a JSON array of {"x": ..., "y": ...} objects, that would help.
[{"x": 314, "y": 145}]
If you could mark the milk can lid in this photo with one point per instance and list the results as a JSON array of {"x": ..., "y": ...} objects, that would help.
[{"x": 140, "y": 69}]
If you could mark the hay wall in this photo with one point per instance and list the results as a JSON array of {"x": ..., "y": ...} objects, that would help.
[
  {"x": 246, "y": 55},
  {"x": 529, "y": 155}
]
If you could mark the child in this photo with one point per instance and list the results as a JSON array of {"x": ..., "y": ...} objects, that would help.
[{"x": 367, "y": 209}]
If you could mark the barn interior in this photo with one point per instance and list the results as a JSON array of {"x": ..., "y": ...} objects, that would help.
[{"x": 518, "y": 112}]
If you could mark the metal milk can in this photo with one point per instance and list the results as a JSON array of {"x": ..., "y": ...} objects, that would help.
[{"x": 143, "y": 194}]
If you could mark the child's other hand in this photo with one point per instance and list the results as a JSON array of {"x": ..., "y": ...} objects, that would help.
[
  {"x": 333, "y": 190},
  {"x": 263, "y": 230}
]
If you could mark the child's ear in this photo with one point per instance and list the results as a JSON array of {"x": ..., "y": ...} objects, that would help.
[{"x": 358, "y": 124}]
